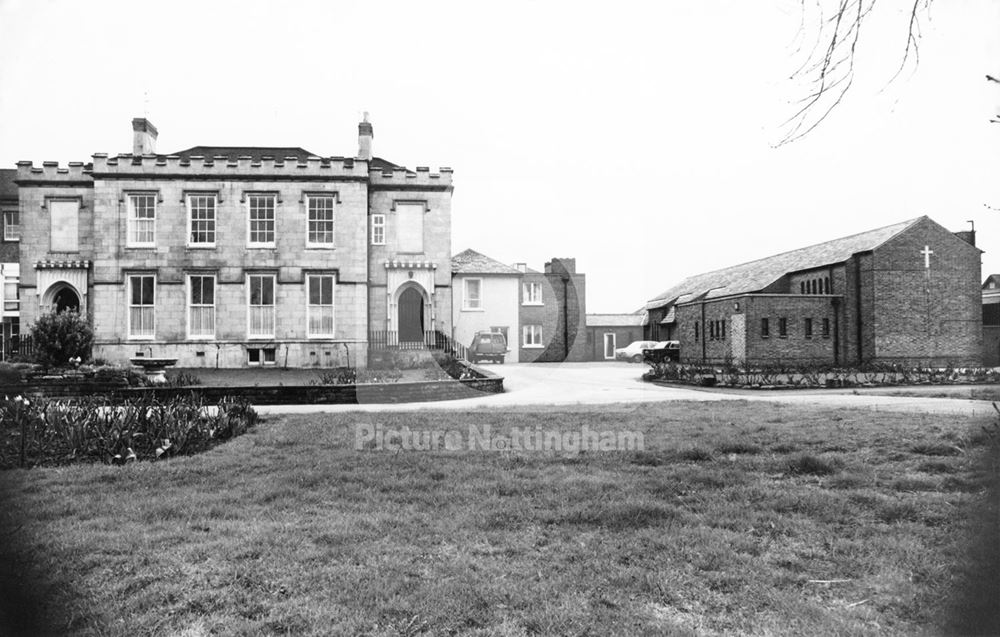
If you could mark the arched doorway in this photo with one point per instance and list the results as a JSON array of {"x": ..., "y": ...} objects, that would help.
[
  {"x": 66, "y": 299},
  {"x": 411, "y": 316}
]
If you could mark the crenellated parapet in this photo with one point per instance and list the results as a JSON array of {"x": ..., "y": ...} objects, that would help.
[
  {"x": 51, "y": 173},
  {"x": 222, "y": 167},
  {"x": 422, "y": 177}
]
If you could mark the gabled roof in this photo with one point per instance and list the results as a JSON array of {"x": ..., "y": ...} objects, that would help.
[
  {"x": 993, "y": 278},
  {"x": 254, "y": 152},
  {"x": 756, "y": 275},
  {"x": 8, "y": 189},
  {"x": 614, "y": 320},
  {"x": 472, "y": 262}
]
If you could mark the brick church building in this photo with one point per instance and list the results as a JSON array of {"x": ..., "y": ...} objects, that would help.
[
  {"x": 906, "y": 293},
  {"x": 234, "y": 256}
]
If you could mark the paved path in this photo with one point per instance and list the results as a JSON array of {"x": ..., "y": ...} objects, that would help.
[{"x": 602, "y": 383}]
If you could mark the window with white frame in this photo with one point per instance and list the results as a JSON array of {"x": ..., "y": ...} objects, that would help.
[
  {"x": 201, "y": 306},
  {"x": 472, "y": 297},
  {"x": 319, "y": 311},
  {"x": 201, "y": 214},
  {"x": 378, "y": 230},
  {"x": 11, "y": 225},
  {"x": 141, "y": 305},
  {"x": 11, "y": 297},
  {"x": 320, "y": 231},
  {"x": 532, "y": 335},
  {"x": 532, "y": 293},
  {"x": 261, "y": 305},
  {"x": 261, "y": 220},
  {"x": 141, "y": 221}
]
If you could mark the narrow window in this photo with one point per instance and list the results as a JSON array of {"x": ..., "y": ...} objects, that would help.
[
  {"x": 782, "y": 326},
  {"x": 11, "y": 225},
  {"x": 765, "y": 328},
  {"x": 826, "y": 285},
  {"x": 261, "y": 220},
  {"x": 201, "y": 306},
  {"x": 320, "y": 309},
  {"x": 826, "y": 328},
  {"x": 696, "y": 331},
  {"x": 141, "y": 221},
  {"x": 809, "y": 327},
  {"x": 722, "y": 329},
  {"x": 261, "y": 305},
  {"x": 141, "y": 306},
  {"x": 201, "y": 213},
  {"x": 378, "y": 230},
  {"x": 472, "y": 299},
  {"x": 320, "y": 230},
  {"x": 802, "y": 287}
]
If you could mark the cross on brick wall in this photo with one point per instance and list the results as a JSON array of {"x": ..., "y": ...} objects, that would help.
[{"x": 927, "y": 252}]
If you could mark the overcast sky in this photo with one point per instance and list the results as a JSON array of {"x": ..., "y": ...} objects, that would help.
[{"x": 637, "y": 137}]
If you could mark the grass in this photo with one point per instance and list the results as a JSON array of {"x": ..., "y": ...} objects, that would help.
[{"x": 729, "y": 521}]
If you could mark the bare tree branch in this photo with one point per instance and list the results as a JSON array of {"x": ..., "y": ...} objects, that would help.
[{"x": 828, "y": 70}]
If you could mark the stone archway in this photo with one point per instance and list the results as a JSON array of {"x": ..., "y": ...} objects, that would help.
[{"x": 61, "y": 297}]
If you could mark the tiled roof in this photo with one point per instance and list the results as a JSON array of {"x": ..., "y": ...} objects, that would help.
[
  {"x": 614, "y": 320},
  {"x": 255, "y": 152},
  {"x": 471, "y": 262},
  {"x": 995, "y": 278},
  {"x": 756, "y": 275},
  {"x": 8, "y": 189}
]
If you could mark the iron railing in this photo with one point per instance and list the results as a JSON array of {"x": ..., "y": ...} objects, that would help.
[{"x": 379, "y": 340}]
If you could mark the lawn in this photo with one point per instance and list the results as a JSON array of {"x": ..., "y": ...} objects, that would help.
[{"x": 736, "y": 518}]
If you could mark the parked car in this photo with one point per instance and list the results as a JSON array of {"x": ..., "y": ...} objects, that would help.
[
  {"x": 633, "y": 351},
  {"x": 662, "y": 351},
  {"x": 491, "y": 346}
]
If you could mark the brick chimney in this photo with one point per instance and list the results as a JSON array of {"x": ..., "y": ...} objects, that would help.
[
  {"x": 561, "y": 266},
  {"x": 365, "y": 136},
  {"x": 968, "y": 236},
  {"x": 143, "y": 137}
]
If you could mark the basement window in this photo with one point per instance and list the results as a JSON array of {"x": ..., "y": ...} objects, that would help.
[{"x": 260, "y": 356}]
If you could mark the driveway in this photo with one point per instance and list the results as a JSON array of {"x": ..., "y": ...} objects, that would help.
[{"x": 602, "y": 383}]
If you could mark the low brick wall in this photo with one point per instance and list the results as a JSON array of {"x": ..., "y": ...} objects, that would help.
[{"x": 424, "y": 391}]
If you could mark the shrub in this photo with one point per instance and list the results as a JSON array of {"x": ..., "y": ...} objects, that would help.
[
  {"x": 60, "y": 337},
  {"x": 182, "y": 379}
]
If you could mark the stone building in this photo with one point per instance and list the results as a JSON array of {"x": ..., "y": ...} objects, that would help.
[
  {"x": 10, "y": 235},
  {"x": 906, "y": 293},
  {"x": 235, "y": 256}
]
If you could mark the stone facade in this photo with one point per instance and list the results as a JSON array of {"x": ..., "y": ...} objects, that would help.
[
  {"x": 905, "y": 294},
  {"x": 286, "y": 270}
]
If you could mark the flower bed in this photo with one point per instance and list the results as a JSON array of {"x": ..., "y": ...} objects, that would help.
[
  {"x": 780, "y": 376},
  {"x": 37, "y": 431}
]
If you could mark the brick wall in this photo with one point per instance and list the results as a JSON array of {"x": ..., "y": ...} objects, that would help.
[
  {"x": 623, "y": 336},
  {"x": 927, "y": 315},
  {"x": 562, "y": 315}
]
